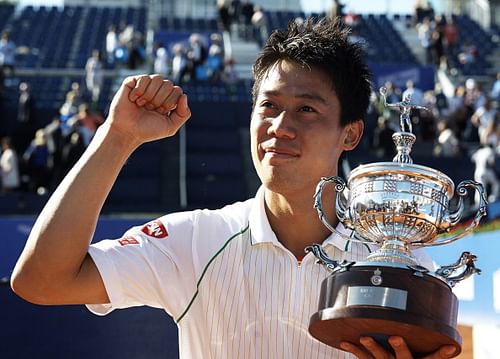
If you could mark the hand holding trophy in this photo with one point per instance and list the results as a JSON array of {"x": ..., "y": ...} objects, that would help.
[{"x": 398, "y": 206}]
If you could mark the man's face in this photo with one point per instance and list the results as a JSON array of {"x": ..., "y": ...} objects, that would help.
[{"x": 296, "y": 136}]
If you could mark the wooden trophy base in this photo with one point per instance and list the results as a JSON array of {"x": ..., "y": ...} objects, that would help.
[{"x": 381, "y": 301}]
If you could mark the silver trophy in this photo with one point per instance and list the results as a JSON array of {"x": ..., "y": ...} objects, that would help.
[{"x": 397, "y": 206}]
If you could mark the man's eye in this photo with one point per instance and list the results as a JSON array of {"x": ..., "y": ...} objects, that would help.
[
  {"x": 306, "y": 109},
  {"x": 267, "y": 104}
]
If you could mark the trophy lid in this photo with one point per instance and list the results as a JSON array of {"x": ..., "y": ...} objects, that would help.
[{"x": 395, "y": 169}]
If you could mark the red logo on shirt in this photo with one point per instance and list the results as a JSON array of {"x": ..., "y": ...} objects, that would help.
[
  {"x": 155, "y": 229},
  {"x": 128, "y": 240}
]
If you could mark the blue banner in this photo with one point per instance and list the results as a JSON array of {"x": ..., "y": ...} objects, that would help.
[{"x": 479, "y": 295}]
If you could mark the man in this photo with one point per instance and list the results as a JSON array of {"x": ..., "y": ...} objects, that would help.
[
  {"x": 7, "y": 53},
  {"x": 235, "y": 280},
  {"x": 26, "y": 118},
  {"x": 94, "y": 75}
]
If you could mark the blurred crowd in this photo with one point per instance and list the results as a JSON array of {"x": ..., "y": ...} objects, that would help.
[
  {"x": 249, "y": 21},
  {"x": 463, "y": 125},
  {"x": 198, "y": 59},
  {"x": 36, "y": 159}
]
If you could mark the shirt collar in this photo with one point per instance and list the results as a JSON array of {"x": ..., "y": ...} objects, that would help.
[{"x": 262, "y": 232}]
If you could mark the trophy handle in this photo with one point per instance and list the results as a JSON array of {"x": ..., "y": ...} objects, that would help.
[
  {"x": 323, "y": 259},
  {"x": 341, "y": 204},
  {"x": 454, "y": 218},
  {"x": 465, "y": 262}
]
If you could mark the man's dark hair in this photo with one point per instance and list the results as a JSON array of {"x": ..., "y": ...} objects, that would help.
[{"x": 321, "y": 44}]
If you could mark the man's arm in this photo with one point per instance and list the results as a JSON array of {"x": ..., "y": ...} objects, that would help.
[{"x": 54, "y": 267}]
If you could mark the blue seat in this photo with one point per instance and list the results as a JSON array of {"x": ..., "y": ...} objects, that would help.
[
  {"x": 213, "y": 193},
  {"x": 212, "y": 140},
  {"x": 214, "y": 164},
  {"x": 135, "y": 190}
]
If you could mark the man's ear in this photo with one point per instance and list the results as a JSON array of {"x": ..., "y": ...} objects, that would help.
[{"x": 353, "y": 133}]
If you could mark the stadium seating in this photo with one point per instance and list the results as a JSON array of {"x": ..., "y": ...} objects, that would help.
[
  {"x": 214, "y": 163},
  {"x": 62, "y": 38},
  {"x": 55, "y": 37},
  {"x": 175, "y": 24},
  {"x": 483, "y": 40}
]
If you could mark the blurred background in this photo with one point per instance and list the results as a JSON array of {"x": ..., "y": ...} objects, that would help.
[{"x": 62, "y": 61}]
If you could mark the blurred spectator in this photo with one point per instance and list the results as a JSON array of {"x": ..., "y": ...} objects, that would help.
[
  {"x": 450, "y": 35},
  {"x": 484, "y": 158},
  {"x": 86, "y": 123},
  {"x": 422, "y": 10},
  {"x": 71, "y": 152},
  {"x": 352, "y": 19},
  {"x": 259, "y": 23},
  {"x": 234, "y": 14},
  {"x": 215, "y": 59},
  {"x": 224, "y": 17},
  {"x": 447, "y": 144},
  {"x": 179, "y": 64},
  {"x": 425, "y": 30},
  {"x": 417, "y": 95},
  {"x": 136, "y": 51},
  {"x": 161, "y": 60},
  {"x": 126, "y": 35},
  {"x": 246, "y": 19},
  {"x": 216, "y": 45},
  {"x": 457, "y": 111},
  {"x": 68, "y": 109},
  {"x": 495, "y": 89},
  {"x": 123, "y": 54},
  {"x": 490, "y": 135},
  {"x": 25, "y": 118},
  {"x": 482, "y": 119},
  {"x": 230, "y": 76},
  {"x": 9, "y": 167},
  {"x": 37, "y": 163},
  {"x": 7, "y": 53},
  {"x": 336, "y": 9},
  {"x": 427, "y": 119},
  {"x": 26, "y": 104},
  {"x": 55, "y": 141},
  {"x": 111, "y": 44},
  {"x": 437, "y": 43},
  {"x": 196, "y": 54},
  {"x": 74, "y": 97},
  {"x": 474, "y": 95},
  {"x": 94, "y": 75},
  {"x": 441, "y": 100},
  {"x": 79, "y": 93},
  {"x": 468, "y": 53}
]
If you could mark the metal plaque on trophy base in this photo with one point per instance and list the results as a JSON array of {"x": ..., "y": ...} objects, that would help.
[{"x": 397, "y": 206}]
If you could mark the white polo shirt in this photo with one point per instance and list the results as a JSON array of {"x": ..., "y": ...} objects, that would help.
[{"x": 233, "y": 289}]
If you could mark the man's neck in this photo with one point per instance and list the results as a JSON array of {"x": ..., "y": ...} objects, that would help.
[{"x": 295, "y": 222}]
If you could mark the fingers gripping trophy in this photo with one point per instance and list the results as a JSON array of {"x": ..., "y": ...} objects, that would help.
[{"x": 397, "y": 206}]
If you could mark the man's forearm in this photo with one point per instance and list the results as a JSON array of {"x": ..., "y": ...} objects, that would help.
[{"x": 59, "y": 241}]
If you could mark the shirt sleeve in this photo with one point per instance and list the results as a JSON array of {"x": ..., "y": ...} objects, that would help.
[{"x": 149, "y": 265}]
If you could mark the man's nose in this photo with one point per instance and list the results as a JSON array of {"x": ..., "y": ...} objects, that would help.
[{"x": 282, "y": 125}]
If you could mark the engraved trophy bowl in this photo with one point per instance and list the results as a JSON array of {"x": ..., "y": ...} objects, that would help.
[{"x": 395, "y": 206}]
